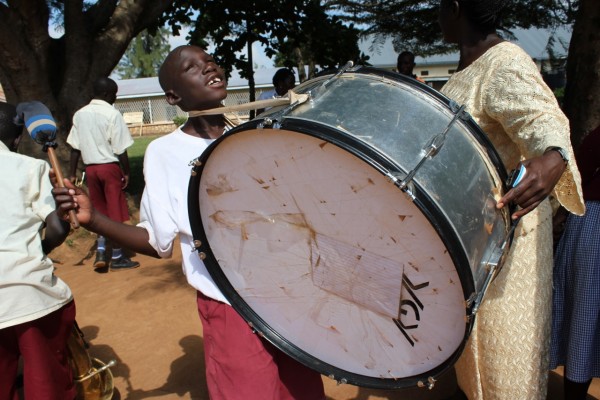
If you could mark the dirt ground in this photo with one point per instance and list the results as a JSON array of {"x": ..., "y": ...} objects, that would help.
[{"x": 146, "y": 320}]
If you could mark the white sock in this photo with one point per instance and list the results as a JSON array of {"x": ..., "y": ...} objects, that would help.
[{"x": 101, "y": 244}]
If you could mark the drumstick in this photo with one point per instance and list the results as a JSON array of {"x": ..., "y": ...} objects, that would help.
[
  {"x": 290, "y": 98},
  {"x": 41, "y": 127},
  {"x": 61, "y": 183}
]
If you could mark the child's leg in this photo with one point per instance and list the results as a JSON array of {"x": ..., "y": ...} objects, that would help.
[
  {"x": 298, "y": 382},
  {"x": 43, "y": 342},
  {"x": 576, "y": 390},
  {"x": 238, "y": 366},
  {"x": 9, "y": 363}
]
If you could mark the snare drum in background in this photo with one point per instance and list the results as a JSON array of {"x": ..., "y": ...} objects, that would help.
[{"x": 335, "y": 236}]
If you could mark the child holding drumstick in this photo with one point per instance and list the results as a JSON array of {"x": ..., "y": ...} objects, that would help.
[
  {"x": 37, "y": 311},
  {"x": 239, "y": 364}
]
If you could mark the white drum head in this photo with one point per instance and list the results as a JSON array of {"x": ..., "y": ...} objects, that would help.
[{"x": 327, "y": 258}]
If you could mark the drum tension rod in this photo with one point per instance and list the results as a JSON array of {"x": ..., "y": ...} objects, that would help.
[
  {"x": 429, "y": 384},
  {"x": 95, "y": 371},
  {"x": 433, "y": 147},
  {"x": 494, "y": 265},
  {"x": 313, "y": 94}
]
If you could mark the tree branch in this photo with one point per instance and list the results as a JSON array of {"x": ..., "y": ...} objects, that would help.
[{"x": 24, "y": 43}]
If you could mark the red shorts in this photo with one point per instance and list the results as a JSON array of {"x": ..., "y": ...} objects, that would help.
[
  {"x": 241, "y": 365},
  {"x": 43, "y": 345},
  {"x": 104, "y": 182}
]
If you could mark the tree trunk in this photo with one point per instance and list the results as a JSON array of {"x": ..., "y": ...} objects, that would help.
[
  {"x": 300, "y": 64},
  {"x": 582, "y": 93},
  {"x": 60, "y": 71}
]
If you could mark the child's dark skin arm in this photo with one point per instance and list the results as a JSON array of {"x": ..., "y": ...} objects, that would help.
[
  {"x": 56, "y": 232},
  {"x": 72, "y": 198},
  {"x": 73, "y": 162},
  {"x": 124, "y": 162}
]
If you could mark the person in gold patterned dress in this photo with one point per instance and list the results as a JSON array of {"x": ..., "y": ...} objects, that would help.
[{"x": 506, "y": 356}]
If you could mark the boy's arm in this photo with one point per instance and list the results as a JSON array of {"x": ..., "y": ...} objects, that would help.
[
  {"x": 73, "y": 198},
  {"x": 74, "y": 161},
  {"x": 124, "y": 161},
  {"x": 56, "y": 232}
]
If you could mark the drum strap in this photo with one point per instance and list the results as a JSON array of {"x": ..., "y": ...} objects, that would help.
[{"x": 290, "y": 98}]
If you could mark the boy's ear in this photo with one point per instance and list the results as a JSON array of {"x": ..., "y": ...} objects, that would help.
[{"x": 172, "y": 97}]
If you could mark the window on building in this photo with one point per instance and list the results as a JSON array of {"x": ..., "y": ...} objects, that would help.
[{"x": 424, "y": 73}]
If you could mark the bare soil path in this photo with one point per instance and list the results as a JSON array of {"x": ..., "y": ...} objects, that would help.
[{"x": 146, "y": 320}]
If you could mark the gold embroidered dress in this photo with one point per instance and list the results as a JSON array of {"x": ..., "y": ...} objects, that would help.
[{"x": 506, "y": 356}]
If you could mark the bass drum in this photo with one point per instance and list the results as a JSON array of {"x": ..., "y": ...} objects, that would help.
[{"x": 340, "y": 239}]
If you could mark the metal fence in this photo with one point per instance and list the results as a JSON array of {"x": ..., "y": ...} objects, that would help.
[{"x": 156, "y": 109}]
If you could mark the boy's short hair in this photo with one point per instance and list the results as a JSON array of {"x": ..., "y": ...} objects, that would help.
[
  {"x": 282, "y": 74},
  {"x": 9, "y": 130},
  {"x": 164, "y": 72},
  {"x": 104, "y": 85},
  {"x": 406, "y": 53}
]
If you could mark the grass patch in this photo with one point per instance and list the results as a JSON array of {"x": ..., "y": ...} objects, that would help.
[{"x": 136, "y": 165}]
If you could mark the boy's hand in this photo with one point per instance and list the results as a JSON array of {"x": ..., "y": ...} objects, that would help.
[
  {"x": 124, "y": 181},
  {"x": 69, "y": 198},
  {"x": 542, "y": 174}
]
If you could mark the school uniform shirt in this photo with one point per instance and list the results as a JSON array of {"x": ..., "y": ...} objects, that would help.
[
  {"x": 100, "y": 133},
  {"x": 269, "y": 94},
  {"x": 164, "y": 206},
  {"x": 28, "y": 287}
]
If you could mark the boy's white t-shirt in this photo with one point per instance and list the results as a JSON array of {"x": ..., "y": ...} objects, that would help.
[
  {"x": 29, "y": 289},
  {"x": 164, "y": 209}
]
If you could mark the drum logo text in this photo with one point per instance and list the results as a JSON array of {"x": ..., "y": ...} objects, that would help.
[{"x": 409, "y": 305}]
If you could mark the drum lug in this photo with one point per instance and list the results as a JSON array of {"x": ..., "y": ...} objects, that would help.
[
  {"x": 254, "y": 330},
  {"x": 269, "y": 123},
  {"x": 342, "y": 381},
  {"x": 195, "y": 163},
  {"x": 265, "y": 123},
  {"x": 429, "y": 384},
  {"x": 460, "y": 111},
  {"x": 398, "y": 180},
  {"x": 469, "y": 302},
  {"x": 493, "y": 267},
  {"x": 494, "y": 264},
  {"x": 197, "y": 245}
]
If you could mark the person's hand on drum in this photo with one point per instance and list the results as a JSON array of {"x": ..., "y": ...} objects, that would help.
[
  {"x": 542, "y": 174},
  {"x": 69, "y": 198}
]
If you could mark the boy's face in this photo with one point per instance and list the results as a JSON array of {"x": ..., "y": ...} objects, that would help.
[
  {"x": 197, "y": 82},
  {"x": 406, "y": 64},
  {"x": 284, "y": 86}
]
